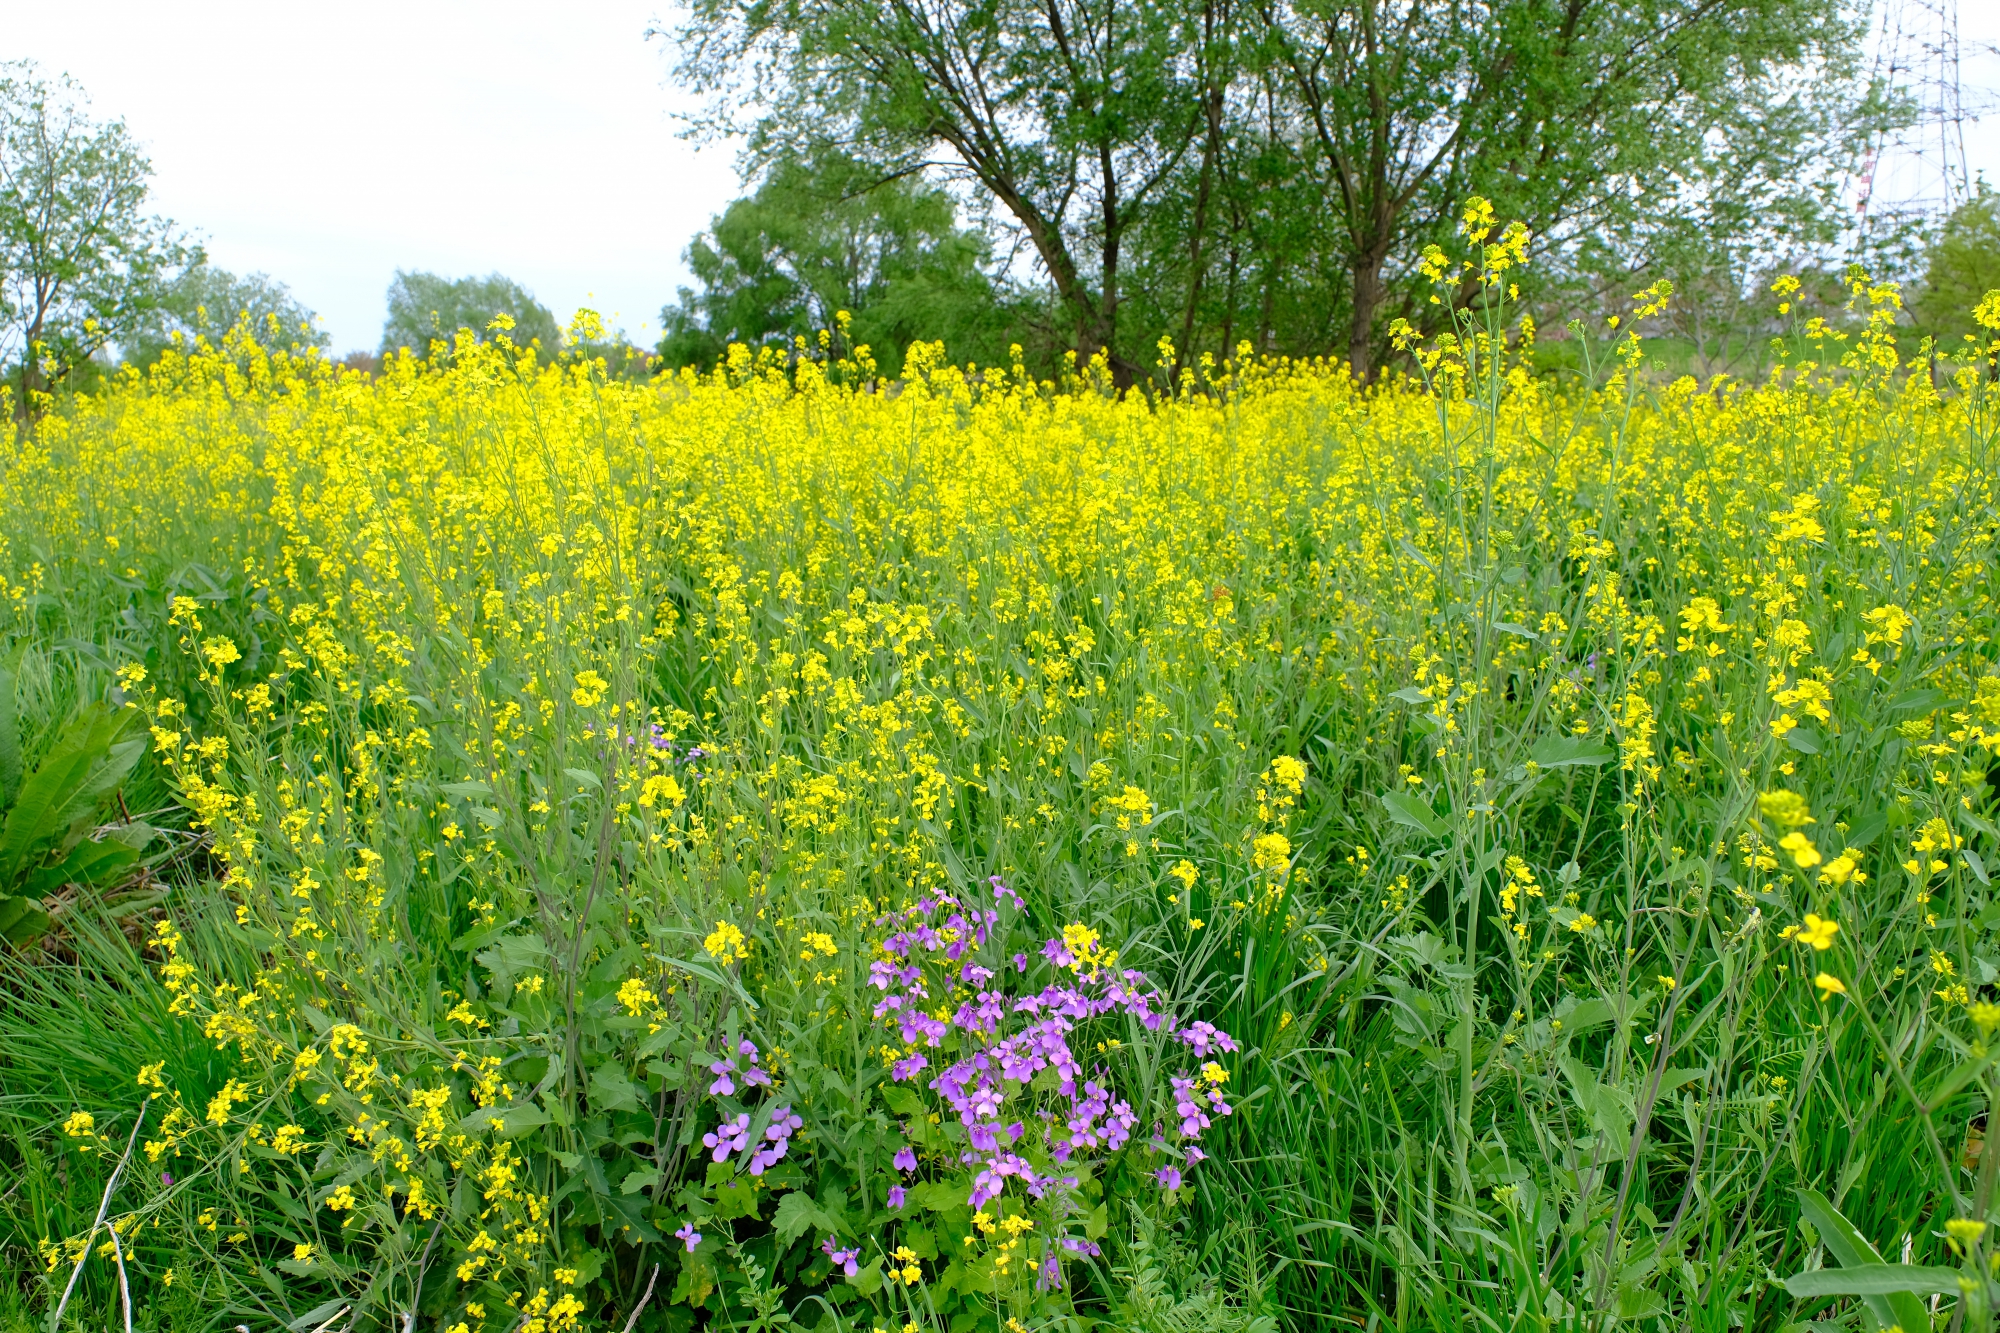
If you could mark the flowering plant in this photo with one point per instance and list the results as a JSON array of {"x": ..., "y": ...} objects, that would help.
[{"x": 1026, "y": 1089}]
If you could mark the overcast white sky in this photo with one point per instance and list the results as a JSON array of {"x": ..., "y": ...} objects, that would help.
[{"x": 331, "y": 144}]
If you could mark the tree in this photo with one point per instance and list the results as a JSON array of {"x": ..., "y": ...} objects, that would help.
[
  {"x": 206, "y": 301},
  {"x": 424, "y": 307},
  {"x": 1592, "y": 121},
  {"x": 1963, "y": 266},
  {"x": 1069, "y": 115},
  {"x": 1227, "y": 166},
  {"x": 82, "y": 264},
  {"x": 825, "y": 234}
]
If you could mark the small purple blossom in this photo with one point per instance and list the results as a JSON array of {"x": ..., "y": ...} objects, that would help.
[
  {"x": 906, "y": 1161},
  {"x": 896, "y": 1196},
  {"x": 1169, "y": 1178},
  {"x": 778, "y": 1135},
  {"x": 688, "y": 1236},
  {"x": 731, "y": 1136},
  {"x": 844, "y": 1260}
]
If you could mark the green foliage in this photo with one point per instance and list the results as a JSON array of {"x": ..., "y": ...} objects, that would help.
[
  {"x": 49, "y": 809},
  {"x": 425, "y": 308},
  {"x": 82, "y": 265},
  {"x": 207, "y": 302},
  {"x": 826, "y": 234},
  {"x": 1963, "y": 265},
  {"x": 1227, "y": 173}
]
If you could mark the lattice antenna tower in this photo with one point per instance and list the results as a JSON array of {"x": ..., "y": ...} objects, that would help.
[{"x": 1920, "y": 169}]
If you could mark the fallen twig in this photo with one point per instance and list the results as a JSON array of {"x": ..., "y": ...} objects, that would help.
[
  {"x": 640, "y": 1308},
  {"x": 103, "y": 1207}
]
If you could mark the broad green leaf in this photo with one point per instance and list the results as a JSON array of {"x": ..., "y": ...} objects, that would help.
[
  {"x": 22, "y": 919},
  {"x": 798, "y": 1213},
  {"x": 1570, "y": 752},
  {"x": 1846, "y": 1243},
  {"x": 611, "y": 1089},
  {"x": 1407, "y": 809},
  {"x": 1876, "y": 1280}
]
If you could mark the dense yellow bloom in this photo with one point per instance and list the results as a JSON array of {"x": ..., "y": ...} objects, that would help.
[
  {"x": 1271, "y": 851},
  {"x": 635, "y": 995},
  {"x": 725, "y": 944}
]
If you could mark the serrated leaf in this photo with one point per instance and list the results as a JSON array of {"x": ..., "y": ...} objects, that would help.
[
  {"x": 798, "y": 1213},
  {"x": 611, "y": 1089}
]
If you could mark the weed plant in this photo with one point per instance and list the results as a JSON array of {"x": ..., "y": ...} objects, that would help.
[{"x": 1462, "y": 853}]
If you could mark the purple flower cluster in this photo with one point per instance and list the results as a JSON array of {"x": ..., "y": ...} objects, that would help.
[
  {"x": 726, "y": 1071},
  {"x": 1010, "y": 1040},
  {"x": 733, "y": 1136}
]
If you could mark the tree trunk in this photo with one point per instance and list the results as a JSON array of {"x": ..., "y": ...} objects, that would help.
[{"x": 1368, "y": 293}]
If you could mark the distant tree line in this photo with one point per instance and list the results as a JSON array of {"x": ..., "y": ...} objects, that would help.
[{"x": 1075, "y": 176}]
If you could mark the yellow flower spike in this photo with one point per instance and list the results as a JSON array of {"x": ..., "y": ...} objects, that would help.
[
  {"x": 1787, "y": 809},
  {"x": 1964, "y": 1233}
]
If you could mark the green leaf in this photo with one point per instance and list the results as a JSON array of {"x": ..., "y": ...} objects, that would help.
[
  {"x": 65, "y": 792},
  {"x": 798, "y": 1213},
  {"x": 902, "y": 1100},
  {"x": 1407, "y": 809},
  {"x": 611, "y": 1089},
  {"x": 1916, "y": 701},
  {"x": 1803, "y": 740},
  {"x": 1570, "y": 752},
  {"x": 10, "y": 740},
  {"x": 22, "y": 920},
  {"x": 1411, "y": 694},
  {"x": 1876, "y": 1280},
  {"x": 515, "y": 1120},
  {"x": 869, "y": 1280},
  {"x": 467, "y": 789},
  {"x": 1846, "y": 1243}
]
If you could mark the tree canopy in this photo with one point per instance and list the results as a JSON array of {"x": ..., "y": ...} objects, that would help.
[
  {"x": 1963, "y": 265},
  {"x": 826, "y": 242},
  {"x": 1271, "y": 170},
  {"x": 83, "y": 265},
  {"x": 424, "y": 307},
  {"x": 206, "y": 301}
]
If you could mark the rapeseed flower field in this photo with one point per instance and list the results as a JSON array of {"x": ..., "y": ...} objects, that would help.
[{"x": 770, "y": 847}]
